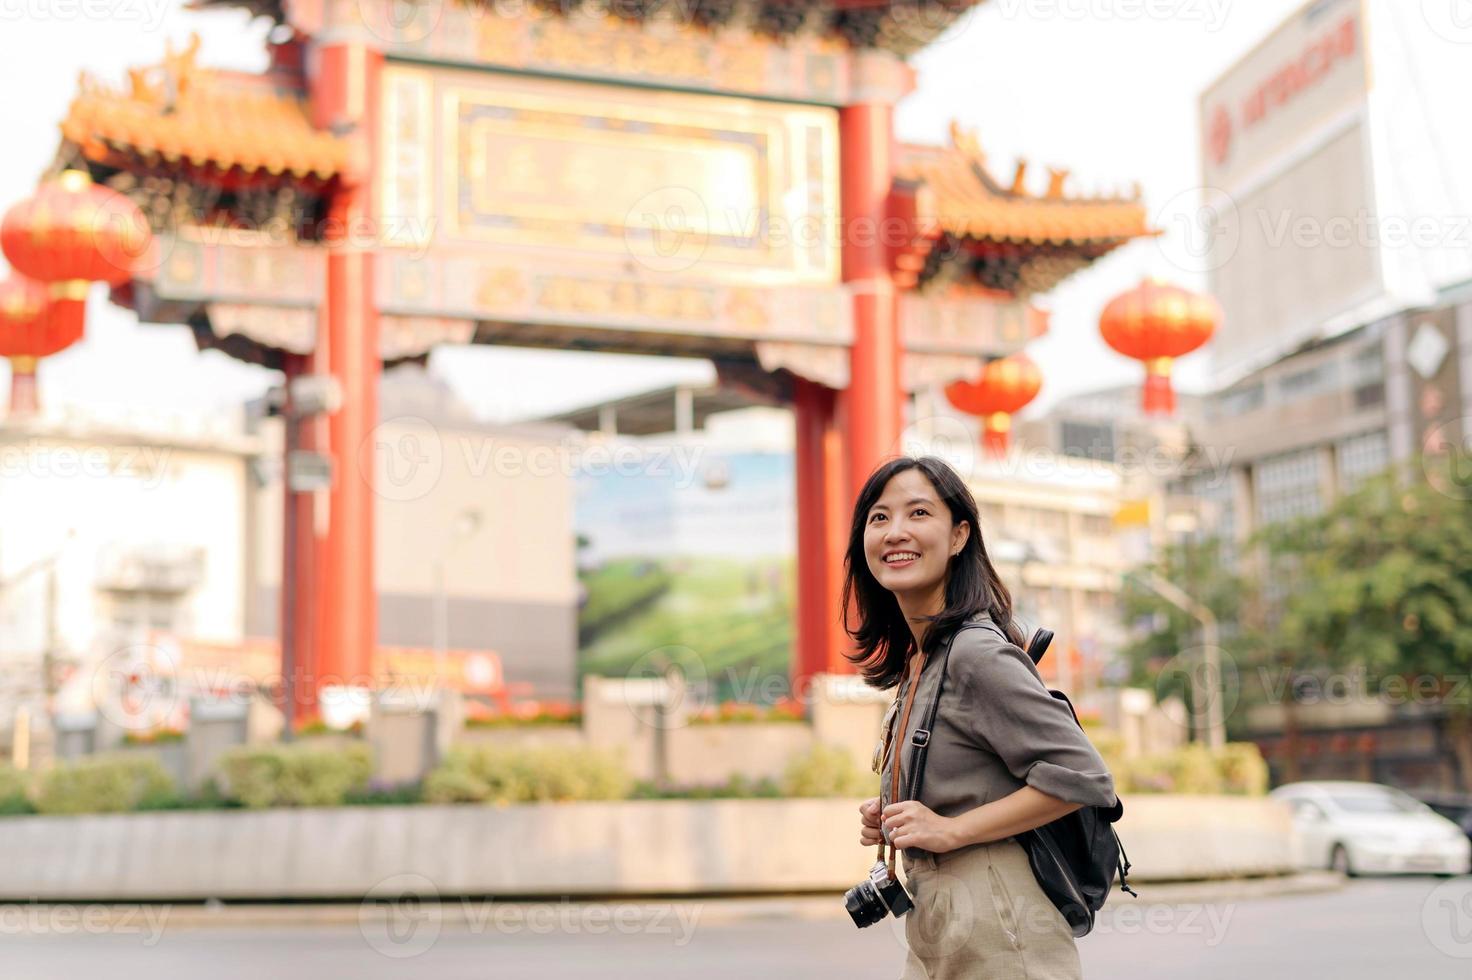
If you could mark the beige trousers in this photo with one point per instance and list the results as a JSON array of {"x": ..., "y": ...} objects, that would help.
[{"x": 980, "y": 915}]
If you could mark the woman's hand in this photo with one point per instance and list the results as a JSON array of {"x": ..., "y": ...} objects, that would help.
[
  {"x": 869, "y": 822},
  {"x": 913, "y": 824}
]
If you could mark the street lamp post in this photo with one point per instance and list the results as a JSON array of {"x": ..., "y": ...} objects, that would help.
[{"x": 1215, "y": 728}]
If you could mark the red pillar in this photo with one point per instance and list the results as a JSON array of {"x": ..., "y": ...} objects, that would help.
[
  {"x": 839, "y": 508},
  {"x": 300, "y": 581},
  {"x": 822, "y": 535},
  {"x": 876, "y": 404},
  {"x": 344, "y": 99},
  {"x": 812, "y": 405}
]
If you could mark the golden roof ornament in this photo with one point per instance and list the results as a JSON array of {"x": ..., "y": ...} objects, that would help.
[
  {"x": 1057, "y": 178},
  {"x": 164, "y": 84},
  {"x": 965, "y": 141}
]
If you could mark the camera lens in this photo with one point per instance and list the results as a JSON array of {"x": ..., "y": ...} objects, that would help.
[{"x": 864, "y": 905}]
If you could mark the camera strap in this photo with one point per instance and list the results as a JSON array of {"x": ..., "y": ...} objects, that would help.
[
  {"x": 916, "y": 661},
  {"x": 920, "y": 739}
]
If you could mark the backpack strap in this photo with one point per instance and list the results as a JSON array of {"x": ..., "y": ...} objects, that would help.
[
  {"x": 921, "y": 738},
  {"x": 1124, "y": 865},
  {"x": 1110, "y": 814}
]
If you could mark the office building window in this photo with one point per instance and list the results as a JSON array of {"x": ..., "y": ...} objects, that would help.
[
  {"x": 1218, "y": 512},
  {"x": 1367, "y": 366},
  {"x": 1288, "y": 486},
  {"x": 1360, "y": 457},
  {"x": 135, "y": 613},
  {"x": 1240, "y": 401},
  {"x": 1089, "y": 440},
  {"x": 1311, "y": 381}
]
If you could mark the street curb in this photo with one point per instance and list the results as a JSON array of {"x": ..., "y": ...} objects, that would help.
[
  {"x": 1229, "y": 889},
  {"x": 475, "y": 913}
]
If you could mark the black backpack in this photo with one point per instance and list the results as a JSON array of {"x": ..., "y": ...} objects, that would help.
[{"x": 1074, "y": 858}]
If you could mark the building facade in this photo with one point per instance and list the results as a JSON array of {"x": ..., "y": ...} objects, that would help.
[
  {"x": 1335, "y": 175},
  {"x": 131, "y": 552}
]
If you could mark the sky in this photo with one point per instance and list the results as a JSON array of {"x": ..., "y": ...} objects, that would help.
[{"x": 1105, "y": 88}]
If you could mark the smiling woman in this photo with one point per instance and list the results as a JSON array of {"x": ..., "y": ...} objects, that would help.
[
  {"x": 1004, "y": 756},
  {"x": 916, "y": 560}
]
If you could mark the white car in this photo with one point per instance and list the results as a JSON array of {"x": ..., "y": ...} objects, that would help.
[{"x": 1359, "y": 828}]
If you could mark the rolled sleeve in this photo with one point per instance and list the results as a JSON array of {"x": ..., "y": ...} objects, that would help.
[{"x": 1011, "y": 712}]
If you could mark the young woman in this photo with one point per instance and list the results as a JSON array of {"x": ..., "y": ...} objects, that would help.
[{"x": 1004, "y": 757}]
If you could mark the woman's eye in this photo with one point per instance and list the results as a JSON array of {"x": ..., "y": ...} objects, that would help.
[
  {"x": 874, "y": 517},
  {"x": 920, "y": 510}
]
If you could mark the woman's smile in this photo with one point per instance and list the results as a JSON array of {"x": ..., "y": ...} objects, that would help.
[{"x": 901, "y": 559}]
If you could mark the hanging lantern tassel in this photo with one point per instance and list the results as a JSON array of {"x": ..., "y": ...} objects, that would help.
[
  {"x": 1160, "y": 397},
  {"x": 36, "y": 321},
  {"x": 23, "y": 398},
  {"x": 996, "y": 433}
]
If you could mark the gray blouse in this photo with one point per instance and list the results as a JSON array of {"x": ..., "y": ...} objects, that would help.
[{"x": 997, "y": 729}]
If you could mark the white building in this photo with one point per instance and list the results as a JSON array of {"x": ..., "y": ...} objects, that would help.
[
  {"x": 1337, "y": 175},
  {"x": 119, "y": 542},
  {"x": 107, "y": 534}
]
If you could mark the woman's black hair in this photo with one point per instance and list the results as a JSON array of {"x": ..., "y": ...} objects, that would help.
[{"x": 885, "y": 640}]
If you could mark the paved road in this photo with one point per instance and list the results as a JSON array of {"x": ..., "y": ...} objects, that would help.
[{"x": 1372, "y": 929}]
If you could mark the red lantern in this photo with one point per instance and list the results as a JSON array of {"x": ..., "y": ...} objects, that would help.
[
  {"x": 1157, "y": 323},
  {"x": 1007, "y": 384},
  {"x": 72, "y": 229},
  {"x": 34, "y": 324}
]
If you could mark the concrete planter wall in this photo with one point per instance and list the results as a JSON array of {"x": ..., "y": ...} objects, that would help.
[
  {"x": 640, "y": 846},
  {"x": 1169, "y": 837},
  {"x": 756, "y": 750},
  {"x": 524, "y": 736}
]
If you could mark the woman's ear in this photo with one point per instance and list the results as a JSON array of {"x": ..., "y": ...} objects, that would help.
[{"x": 959, "y": 534}]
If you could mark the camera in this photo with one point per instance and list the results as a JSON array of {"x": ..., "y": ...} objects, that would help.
[{"x": 868, "y": 901}]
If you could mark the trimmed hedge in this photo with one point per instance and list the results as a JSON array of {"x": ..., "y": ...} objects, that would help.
[
  {"x": 15, "y": 789},
  {"x": 303, "y": 775},
  {"x": 738, "y": 787},
  {"x": 105, "y": 784},
  {"x": 1238, "y": 769},
  {"x": 294, "y": 775},
  {"x": 825, "y": 770},
  {"x": 500, "y": 774}
]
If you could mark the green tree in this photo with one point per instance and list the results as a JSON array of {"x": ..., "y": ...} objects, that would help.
[
  {"x": 1167, "y": 639},
  {"x": 1383, "y": 582}
]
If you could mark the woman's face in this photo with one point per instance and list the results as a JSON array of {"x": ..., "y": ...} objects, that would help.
[{"x": 908, "y": 536}]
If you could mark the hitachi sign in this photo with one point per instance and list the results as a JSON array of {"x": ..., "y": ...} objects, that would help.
[
  {"x": 1291, "y": 79},
  {"x": 1303, "y": 72}
]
